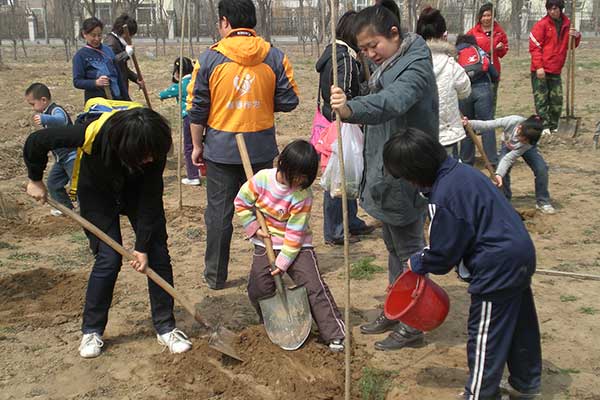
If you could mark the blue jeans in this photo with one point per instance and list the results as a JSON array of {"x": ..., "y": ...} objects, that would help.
[
  {"x": 59, "y": 176},
  {"x": 479, "y": 106},
  {"x": 536, "y": 162},
  {"x": 333, "y": 224}
]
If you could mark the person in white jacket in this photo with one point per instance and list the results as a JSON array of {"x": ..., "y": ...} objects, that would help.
[{"x": 452, "y": 81}]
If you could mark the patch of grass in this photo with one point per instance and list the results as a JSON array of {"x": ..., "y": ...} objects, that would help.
[
  {"x": 374, "y": 383},
  {"x": 588, "y": 310},
  {"x": 78, "y": 237},
  {"x": 5, "y": 245},
  {"x": 26, "y": 256},
  {"x": 365, "y": 269},
  {"x": 564, "y": 299},
  {"x": 568, "y": 371},
  {"x": 193, "y": 233}
]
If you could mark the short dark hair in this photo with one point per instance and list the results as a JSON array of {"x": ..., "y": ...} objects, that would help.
[
  {"x": 344, "y": 30},
  {"x": 125, "y": 19},
  {"x": 484, "y": 7},
  {"x": 239, "y": 13},
  {"x": 379, "y": 19},
  {"x": 532, "y": 128},
  {"x": 38, "y": 90},
  {"x": 186, "y": 65},
  {"x": 415, "y": 156},
  {"x": 431, "y": 24},
  {"x": 392, "y": 6},
  {"x": 137, "y": 134},
  {"x": 90, "y": 24},
  {"x": 558, "y": 3},
  {"x": 299, "y": 159},
  {"x": 468, "y": 39}
]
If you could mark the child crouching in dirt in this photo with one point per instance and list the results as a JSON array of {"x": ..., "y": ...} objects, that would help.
[
  {"x": 284, "y": 197},
  {"x": 519, "y": 139},
  {"x": 120, "y": 173},
  {"x": 474, "y": 227}
]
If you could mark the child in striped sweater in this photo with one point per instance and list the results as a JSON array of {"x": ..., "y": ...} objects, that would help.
[{"x": 284, "y": 197}]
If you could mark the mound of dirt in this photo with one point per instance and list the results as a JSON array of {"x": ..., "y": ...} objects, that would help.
[{"x": 267, "y": 372}]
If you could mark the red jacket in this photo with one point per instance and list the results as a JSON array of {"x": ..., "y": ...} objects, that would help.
[
  {"x": 483, "y": 41},
  {"x": 547, "y": 48}
]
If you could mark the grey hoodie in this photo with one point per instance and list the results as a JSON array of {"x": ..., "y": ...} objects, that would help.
[{"x": 407, "y": 97}]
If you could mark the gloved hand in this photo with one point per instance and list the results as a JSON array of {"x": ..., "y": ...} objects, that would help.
[{"x": 129, "y": 50}]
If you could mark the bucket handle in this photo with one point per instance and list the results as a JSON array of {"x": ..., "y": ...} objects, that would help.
[{"x": 418, "y": 288}]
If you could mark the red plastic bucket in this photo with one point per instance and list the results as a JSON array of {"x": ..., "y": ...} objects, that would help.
[{"x": 417, "y": 301}]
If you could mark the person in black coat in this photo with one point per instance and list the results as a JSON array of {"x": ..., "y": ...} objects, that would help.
[{"x": 120, "y": 173}]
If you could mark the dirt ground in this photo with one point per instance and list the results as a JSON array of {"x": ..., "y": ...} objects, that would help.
[{"x": 44, "y": 264}]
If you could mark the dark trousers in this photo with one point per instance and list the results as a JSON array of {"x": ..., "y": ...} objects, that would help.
[
  {"x": 190, "y": 169},
  {"x": 333, "y": 224},
  {"x": 503, "y": 333},
  {"x": 59, "y": 176},
  {"x": 304, "y": 272},
  {"x": 479, "y": 106},
  {"x": 101, "y": 284},
  {"x": 548, "y": 98},
  {"x": 536, "y": 162},
  {"x": 402, "y": 242},
  {"x": 223, "y": 181}
]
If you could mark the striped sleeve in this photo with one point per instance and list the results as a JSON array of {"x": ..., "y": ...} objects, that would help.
[
  {"x": 244, "y": 206},
  {"x": 295, "y": 229},
  {"x": 536, "y": 38}
]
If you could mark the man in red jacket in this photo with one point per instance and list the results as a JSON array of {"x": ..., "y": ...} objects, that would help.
[{"x": 548, "y": 44}]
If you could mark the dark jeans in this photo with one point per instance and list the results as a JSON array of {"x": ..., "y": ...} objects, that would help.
[
  {"x": 101, "y": 284},
  {"x": 190, "y": 168},
  {"x": 479, "y": 106},
  {"x": 333, "y": 224},
  {"x": 223, "y": 181},
  {"x": 59, "y": 176},
  {"x": 536, "y": 162}
]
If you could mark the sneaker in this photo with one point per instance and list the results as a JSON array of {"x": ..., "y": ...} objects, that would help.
[
  {"x": 91, "y": 345},
  {"x": 191, "y": 182},
  {"x": 176, "y": 341},
  {"x": 336, "y": 345},
  {"x": 546, "y": 132},
  {"x": 545, "y": 208},
  {"x": 506, "y": 389},
  {"x": 55, "y": 213}
]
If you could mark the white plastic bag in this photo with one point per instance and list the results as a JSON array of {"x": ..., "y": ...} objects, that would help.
[{"x": 331, "y": 180}]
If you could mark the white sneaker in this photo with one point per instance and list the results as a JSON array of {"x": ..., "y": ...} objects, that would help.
[
  {"x": 545, "y": 208},
  {"x": 546, "y": 132},
  {"x": 336, "y": 345},
  {"x": 91, "y": 345},
  {"x": 176, "y": 341},
  {"x": 191, "y": 182},
  {"x": 55, "y": 213}
]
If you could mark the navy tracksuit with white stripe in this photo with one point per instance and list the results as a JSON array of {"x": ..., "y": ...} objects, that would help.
[{"x": 474, "y": 227}]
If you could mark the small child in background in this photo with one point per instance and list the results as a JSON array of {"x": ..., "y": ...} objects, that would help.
[
  {"x": 519, "y": 139},
  {"x": 284, "y": 197},
  {"x": 50, "y": 115},
  {"x": 193, "y": 173}
]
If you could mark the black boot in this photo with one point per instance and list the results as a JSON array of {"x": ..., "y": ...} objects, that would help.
[
  {"x": 402, "y": 336},
  {"x": 380, "y": 325}
]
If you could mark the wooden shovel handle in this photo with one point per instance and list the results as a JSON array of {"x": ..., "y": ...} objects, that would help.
[
  {"x": 107, "y": 92},
  {"x": 129, "y": 256},
  {"x": 239, "y": 138},
  {"x": 486, "y": 160},
  {"x": 138, "y": 71}
]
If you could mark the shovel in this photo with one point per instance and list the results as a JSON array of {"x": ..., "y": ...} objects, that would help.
[
  {"x": 568, "y": 125},
  {"x": 286, "y": 314},
  {"x": 220, "y": 339},
  {"x": 477, "y": 142}
]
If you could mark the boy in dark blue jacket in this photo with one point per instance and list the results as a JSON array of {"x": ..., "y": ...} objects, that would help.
[{"x": 475, "y": 228}]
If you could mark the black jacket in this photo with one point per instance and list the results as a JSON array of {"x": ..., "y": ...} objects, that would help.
[
  {"x": 349, "y": 76},
  {"x": 106, "y": 187},
  {"x": 121, "y": 58}
]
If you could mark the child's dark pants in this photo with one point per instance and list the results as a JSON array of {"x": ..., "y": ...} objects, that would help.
[
  {"x": 190, "y": 169},
  {"x": 503, "y": 332},
  {"x": 304, "y": 272},
  {"x": 101, "y": 284}
]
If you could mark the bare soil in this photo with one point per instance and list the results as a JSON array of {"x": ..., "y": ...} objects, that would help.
[{"x": 44, "y": 264}]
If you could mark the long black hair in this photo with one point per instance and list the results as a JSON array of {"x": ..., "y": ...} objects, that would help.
[
  {"x": 431, "y": 24},
  {"x": 121, "y": 21},
  {"x": 415, "y": 156},
  {"x": 299, "y": 159},
  {"x": 137, "y": 135}
]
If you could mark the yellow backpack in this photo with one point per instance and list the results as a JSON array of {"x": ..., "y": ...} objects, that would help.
[{"x": 100, "y": 110}]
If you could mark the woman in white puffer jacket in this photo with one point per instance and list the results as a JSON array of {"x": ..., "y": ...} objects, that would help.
[{"x": 452, "y": 81}]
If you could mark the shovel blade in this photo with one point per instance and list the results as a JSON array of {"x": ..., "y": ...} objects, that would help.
[
  {"x": 287, "y": 317},
  {"x": 567, "y": 126},
  {"x": 222, "y": 340}
]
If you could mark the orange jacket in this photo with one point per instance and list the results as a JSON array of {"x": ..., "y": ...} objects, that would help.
[{"x": 236, "y": 87}]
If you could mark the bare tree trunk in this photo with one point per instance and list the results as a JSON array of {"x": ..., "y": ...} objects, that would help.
[
  {"x": 189, "y": 31},
  {"x": 301, "y": 26},
  {"x": 23, "y": 47},
  {"x": 14, "y": 49},
  {"x": 213, "y": 17},
  {"x": 45, "y": 11}
]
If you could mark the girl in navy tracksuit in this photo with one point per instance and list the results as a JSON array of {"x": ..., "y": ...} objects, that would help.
[{"x": 474, "y": 227}]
